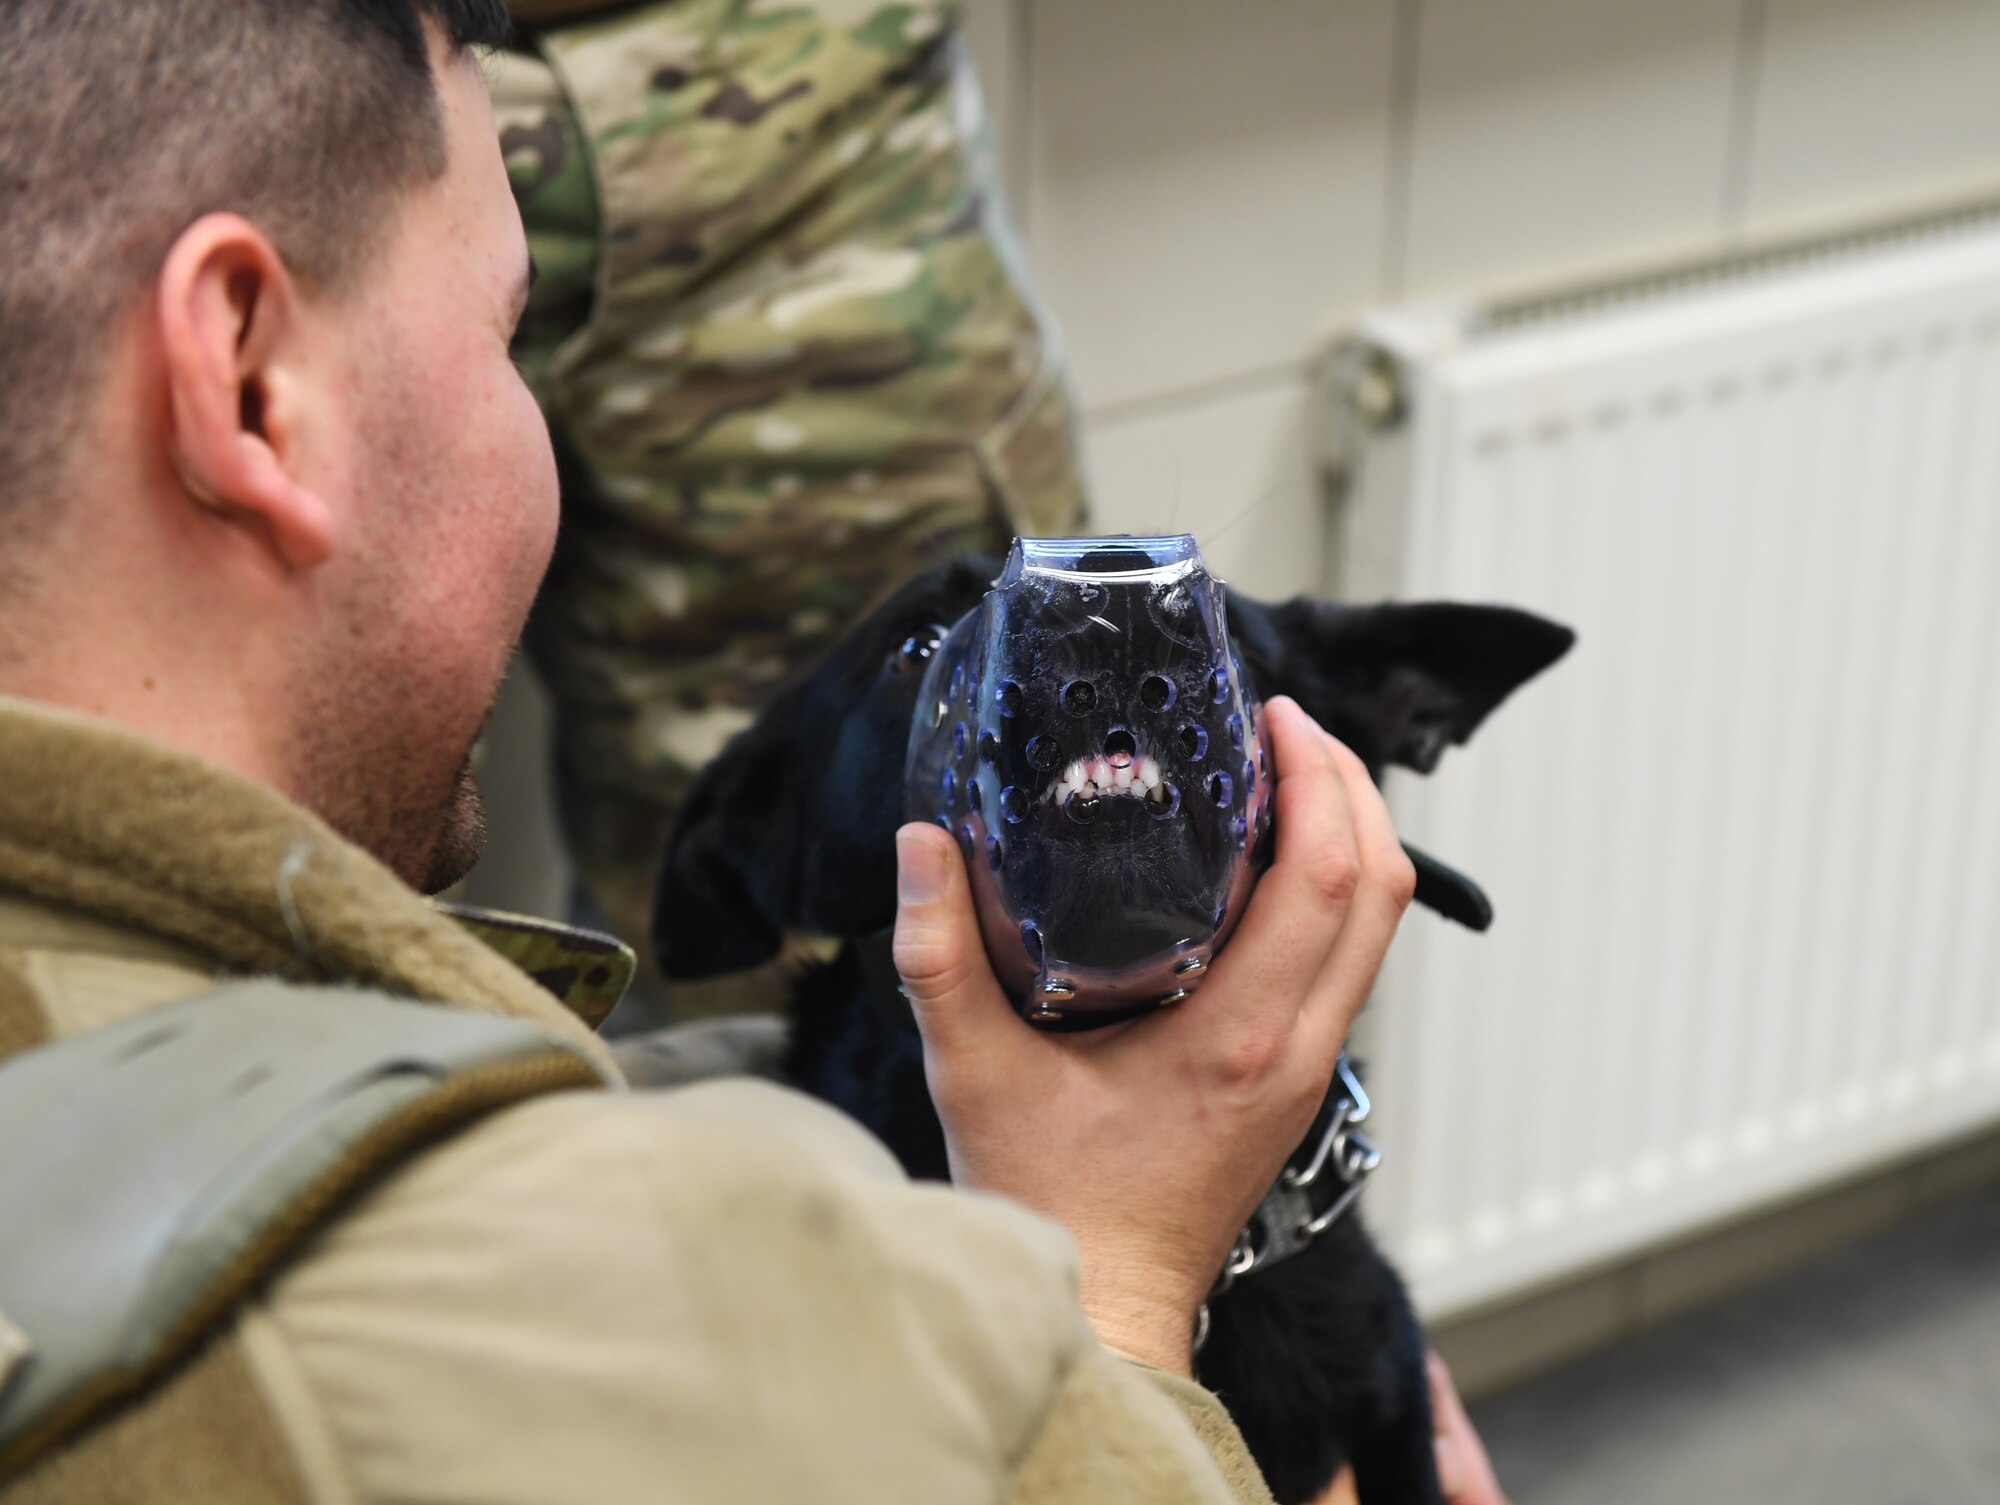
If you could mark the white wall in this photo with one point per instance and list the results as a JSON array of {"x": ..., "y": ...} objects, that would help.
[{"x": 1210, "y": 189}]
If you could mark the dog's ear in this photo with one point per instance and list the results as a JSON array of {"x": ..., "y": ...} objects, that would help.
[
  {"x": 1398, "y": 683},
  {"x": 792, "y": 827},
  {"x": 713, "y": 911}
]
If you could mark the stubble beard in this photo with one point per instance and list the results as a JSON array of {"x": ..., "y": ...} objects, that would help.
[
  {"x": 388, "y": 800},
  {"x": 461, "y": 833},
  {"x": 378, "y": 767}
]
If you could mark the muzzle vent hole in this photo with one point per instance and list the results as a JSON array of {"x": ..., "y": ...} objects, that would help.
[
  {"x": 1220, "y": 787},
  {"x": 1044, "y": 752},
  {"x": 1079, "y": 697},
  {"x": 1157, "y": 692},
  {"x": 1194, "y": 743},
  {"x": 1013, "y": 805},
  {"x": 1120, "y": 748},
  {"x": 1008, "y": 698},
  {"x": 1168, "y": 803}
]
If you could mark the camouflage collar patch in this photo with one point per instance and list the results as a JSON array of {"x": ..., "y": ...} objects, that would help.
[{"x": 586, "y": 970}]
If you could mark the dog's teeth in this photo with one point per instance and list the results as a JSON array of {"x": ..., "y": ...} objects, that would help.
[
  {"x": 1072, "y": 776},
  {"x": 1097, "y": 778}
]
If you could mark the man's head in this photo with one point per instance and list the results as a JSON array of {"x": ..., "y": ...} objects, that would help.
[{"x": 270, "y": 487}]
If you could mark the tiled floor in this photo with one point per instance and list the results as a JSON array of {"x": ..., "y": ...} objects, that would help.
[{"x": 1871, "y": 1377}]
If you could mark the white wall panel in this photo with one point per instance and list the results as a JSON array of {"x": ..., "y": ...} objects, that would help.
[
  {"x": 1552, "y": 137},
  {"x": 1238, "y": 472},
  {"x": 1866, "y": 104},
  {"x": 1207, "y": 181}
]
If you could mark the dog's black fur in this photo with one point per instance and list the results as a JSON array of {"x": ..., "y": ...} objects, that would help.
[{"x": 1319, "y": 1358}]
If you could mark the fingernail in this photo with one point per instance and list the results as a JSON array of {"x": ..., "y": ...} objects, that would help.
[{"x": 920, "y": 872}]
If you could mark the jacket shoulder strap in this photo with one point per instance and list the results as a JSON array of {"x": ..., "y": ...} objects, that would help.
[{"x": 156, "y": 1169}]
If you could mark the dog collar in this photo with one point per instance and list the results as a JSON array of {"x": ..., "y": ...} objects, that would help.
[{"x": 1321, "y": 1183}]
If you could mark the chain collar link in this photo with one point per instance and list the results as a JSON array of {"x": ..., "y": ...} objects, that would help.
[{"x": 1307, "y": 1199}]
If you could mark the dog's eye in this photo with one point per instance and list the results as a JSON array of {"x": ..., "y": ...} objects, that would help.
[{"x": 916, "y": 650}]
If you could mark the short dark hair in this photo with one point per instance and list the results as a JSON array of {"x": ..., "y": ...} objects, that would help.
[{"x": 124, "y": 121}]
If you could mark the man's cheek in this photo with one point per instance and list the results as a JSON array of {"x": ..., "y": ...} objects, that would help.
[{"x": 540, "y": 490}]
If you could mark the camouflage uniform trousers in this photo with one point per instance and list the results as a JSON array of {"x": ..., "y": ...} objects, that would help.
[{"x": 789, "y": 354}]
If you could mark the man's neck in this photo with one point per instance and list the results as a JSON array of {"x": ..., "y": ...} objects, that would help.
[{"x": 136, "y": 687}]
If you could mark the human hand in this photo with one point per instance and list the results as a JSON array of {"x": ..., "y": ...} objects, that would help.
[
  {"x": 1464, "y": 1470},
  {"x": 1153, "y": 1142}
]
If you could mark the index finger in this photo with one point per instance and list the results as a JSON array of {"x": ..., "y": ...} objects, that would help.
[
  {"x": 1386, "y": 881},
  {"x": 1283, "y": 941}
]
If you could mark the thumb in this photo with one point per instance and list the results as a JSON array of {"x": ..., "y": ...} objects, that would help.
[{"x": 939, "y": 953}]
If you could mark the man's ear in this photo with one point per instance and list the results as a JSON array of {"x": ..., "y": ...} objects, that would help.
[
  {"x": 1399, "y": 683},
  {"x": 228, "y": 324}
]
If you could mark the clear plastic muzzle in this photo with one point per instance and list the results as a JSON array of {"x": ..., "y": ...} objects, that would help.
[{"x": 1088, "y": 734}]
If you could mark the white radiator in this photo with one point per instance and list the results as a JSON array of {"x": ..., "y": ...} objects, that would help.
[{"x": 1744, "y": 843}]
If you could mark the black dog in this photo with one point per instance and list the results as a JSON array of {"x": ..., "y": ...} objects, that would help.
[{"x": 1319, "y": 1358}]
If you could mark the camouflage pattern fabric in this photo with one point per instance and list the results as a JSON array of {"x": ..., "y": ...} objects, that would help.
[
  {"x": 585, "y": 971},
  {"x": 789, "y": 355}
]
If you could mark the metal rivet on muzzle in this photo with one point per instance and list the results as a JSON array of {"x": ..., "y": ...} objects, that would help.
[{"x": 1056, "y": 990}]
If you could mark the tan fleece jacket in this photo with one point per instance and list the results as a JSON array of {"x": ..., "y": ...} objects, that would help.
[{"x": 726, "y": 1292}]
